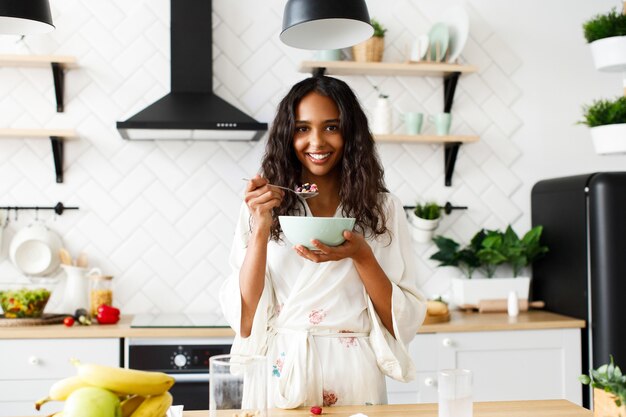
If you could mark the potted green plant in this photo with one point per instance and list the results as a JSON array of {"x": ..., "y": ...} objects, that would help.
[
  {"x": 372, "y": 49},
  {"x": 609, "y": 390},
  {"x": 607, "y": 122},
  {"x": 425, "y": 219},
  {"x": 606, "y": 35},
  {"x": 487, "y": 251}
]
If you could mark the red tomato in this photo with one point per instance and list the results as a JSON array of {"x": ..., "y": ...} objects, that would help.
[
  {"x": 68, "y": 321},
  {"x": 316, "y": 410}
]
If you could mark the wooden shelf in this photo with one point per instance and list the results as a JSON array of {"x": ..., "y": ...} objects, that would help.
[
  {"x": 38, "y": 133},
  {"x": 37, "y": 60},
  {"x": 58, "y": 63},
  {"x": 424, "y": 139},
  {"x": 423, "y": 69},
  {"x": 450, "y": 74},
  {"x": 57, "y": 139}
]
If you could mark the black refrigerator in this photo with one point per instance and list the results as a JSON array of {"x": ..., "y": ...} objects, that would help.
[{"x": 584, "y": 273}]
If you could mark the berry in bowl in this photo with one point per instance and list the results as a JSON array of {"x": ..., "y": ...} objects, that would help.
[
  {"x": 300, "y": 230},
  {"x": 24, "y": 300}
]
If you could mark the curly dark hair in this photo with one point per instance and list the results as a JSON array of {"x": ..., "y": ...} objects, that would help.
[{"x": 362, "y": 174}]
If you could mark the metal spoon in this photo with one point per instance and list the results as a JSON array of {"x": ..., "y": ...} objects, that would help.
[{"x": 303, "y": 195}]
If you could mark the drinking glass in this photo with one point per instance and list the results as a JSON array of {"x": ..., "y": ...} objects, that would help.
[
  {"x": 238, "y": 382},
  {"x": 455, "y": 393}
]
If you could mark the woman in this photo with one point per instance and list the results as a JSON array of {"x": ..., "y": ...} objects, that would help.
[{"x": 335, "y": 321}]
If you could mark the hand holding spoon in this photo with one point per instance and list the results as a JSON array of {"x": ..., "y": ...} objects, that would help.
[{"x": 302, "y": 194}]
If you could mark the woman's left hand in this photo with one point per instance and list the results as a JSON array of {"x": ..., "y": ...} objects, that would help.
[{"x": 355, "y": 246}]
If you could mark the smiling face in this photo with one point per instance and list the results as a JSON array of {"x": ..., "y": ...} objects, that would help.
[{"x": 317, "y": 139}]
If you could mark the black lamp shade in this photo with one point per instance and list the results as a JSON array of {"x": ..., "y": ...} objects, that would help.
[
  {"x": 25, "y": 17},
  {"x": 325, "y": 24}
]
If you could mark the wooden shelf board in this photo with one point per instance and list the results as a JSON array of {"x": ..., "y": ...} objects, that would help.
[
  {"x": 424, "y": 139},
  {"x": 16, "y": 60},
  {"x": 38, "y": 133},
  {"x": 386, "y": 68}
]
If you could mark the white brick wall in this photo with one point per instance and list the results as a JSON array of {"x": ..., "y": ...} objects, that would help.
[{"x": 159, "y": 216}]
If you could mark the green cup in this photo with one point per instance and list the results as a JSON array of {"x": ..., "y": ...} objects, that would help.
[
  {"x": 413, "y": 123},
  {"x": 442, "y": 122}
]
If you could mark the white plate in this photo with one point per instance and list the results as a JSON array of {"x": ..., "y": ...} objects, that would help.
[
  {"x": 420, "y": 46},
  {"x": 457, "y": 21},
  {"x": 439, "y": 38},
  {"x": 34, "y": 250}
]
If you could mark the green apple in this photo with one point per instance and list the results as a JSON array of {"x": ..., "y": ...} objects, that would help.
[{"x": 92, "y": 402}]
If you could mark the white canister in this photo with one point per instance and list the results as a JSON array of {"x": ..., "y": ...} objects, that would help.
[{"x": 381, "y": 122}]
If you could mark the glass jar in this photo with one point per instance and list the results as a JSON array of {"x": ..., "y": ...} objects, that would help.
[{"x": 101, "y": 292}]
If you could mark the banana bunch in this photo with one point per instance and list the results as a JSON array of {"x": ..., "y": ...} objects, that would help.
[{"x": 111, "y": 392}]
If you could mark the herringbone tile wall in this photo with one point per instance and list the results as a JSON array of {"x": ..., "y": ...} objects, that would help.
[{"x": 159, "y": 216}]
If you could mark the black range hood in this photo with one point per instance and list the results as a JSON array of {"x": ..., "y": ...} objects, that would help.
[{"x": 191, "y": 111}]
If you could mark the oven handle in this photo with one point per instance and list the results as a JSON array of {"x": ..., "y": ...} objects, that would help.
[{"x": 191, "y": 377}]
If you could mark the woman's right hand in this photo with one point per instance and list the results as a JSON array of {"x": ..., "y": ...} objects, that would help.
[{"x": 261, "y": 198}]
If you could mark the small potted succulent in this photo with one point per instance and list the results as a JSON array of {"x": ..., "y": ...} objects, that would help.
[
  {"x": 425, "y": 219},
  {"x": 488, "y": 251},
  {"x": 372, "y": 49},
  {"x": 606, "y": 35},
  {"x": 607, "y": 122},
  {"x": 609, "y": 390}
]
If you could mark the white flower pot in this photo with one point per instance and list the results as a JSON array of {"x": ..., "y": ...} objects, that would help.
[
  {"x": 609, "y": 54},
  {"x": 609, "y": 139},
  {"x": 472, "y": 291},
  {"x": 422, "y": 230}
]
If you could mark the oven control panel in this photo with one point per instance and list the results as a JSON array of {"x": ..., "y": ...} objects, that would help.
[{"x": 174, "y": 358}]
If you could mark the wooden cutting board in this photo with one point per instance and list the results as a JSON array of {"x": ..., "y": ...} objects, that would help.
[{"x": 39, "y": 321}]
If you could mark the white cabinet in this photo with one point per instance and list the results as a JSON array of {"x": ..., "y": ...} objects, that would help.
[
  {"x": 28, "y": 367},
  {"x": 506, "y": 365}
]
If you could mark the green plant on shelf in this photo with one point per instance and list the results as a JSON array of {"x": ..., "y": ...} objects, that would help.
[
  {"x": 379, "y": 29},
  {"x": 488, "y": 249},
  {"x": 427, "y": 211},
  {"x": 605, "y": 26},
  {"x": 605, "y": 112}
]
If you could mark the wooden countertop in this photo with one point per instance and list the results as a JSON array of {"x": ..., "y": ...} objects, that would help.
[
  {"x": 543, "y": 408},
  {"x": 460, "y": 322}
]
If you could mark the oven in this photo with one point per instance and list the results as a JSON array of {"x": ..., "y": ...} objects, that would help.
[{"x": 187, "y": 360}]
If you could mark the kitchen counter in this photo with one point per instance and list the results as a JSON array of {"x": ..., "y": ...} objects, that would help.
[
  {"x": 460, "y": 322},
  {"x": 544, "y": 408}
]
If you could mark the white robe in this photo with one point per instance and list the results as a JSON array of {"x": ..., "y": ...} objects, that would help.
[{"x": 317, "y": 326}]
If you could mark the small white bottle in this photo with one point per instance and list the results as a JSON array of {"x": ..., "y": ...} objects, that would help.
[
  {"x": 381, "y": 123},
  {"x": 513, "y": 304}
]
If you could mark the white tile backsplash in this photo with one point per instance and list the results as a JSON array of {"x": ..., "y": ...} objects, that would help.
[{"x": 160, "y": 215}]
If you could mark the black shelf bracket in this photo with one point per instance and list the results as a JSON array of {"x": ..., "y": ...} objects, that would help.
[
  {"x": 451, "y": 150},
  {"x": 318, "y": 71},
  {"x": 450, "y": 153},
  {"x": 57, "y": 154},
  {"x": 59, "y": 84},
  {"x": 449, "y": 88}
]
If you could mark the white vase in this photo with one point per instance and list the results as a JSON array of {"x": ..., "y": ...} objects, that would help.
[
  {"x": 472, "y": 291},
  {"x": 381, "y": 121},
  {"x": 76, "y": 293},
  {"x": 609, "y": 54},
  {"x": 609, "y": 139}
]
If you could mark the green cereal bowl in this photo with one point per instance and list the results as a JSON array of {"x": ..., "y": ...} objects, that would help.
[{"x": 301, "y": 230}]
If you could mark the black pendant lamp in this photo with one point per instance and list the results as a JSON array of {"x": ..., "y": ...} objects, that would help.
[
  {"x": 325, "y": 24},
  {"x": 25, "y": 17}
]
